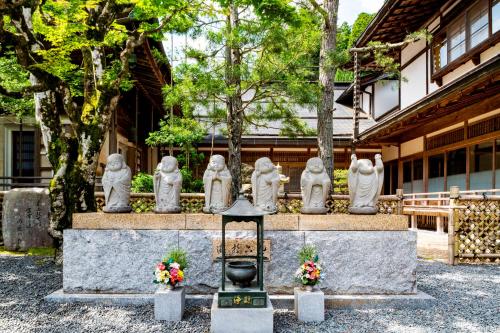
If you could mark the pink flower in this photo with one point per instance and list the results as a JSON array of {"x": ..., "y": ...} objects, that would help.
[{"x": 160, "y": 266}]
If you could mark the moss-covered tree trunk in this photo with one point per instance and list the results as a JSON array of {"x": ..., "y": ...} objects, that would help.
[{"x": 73, "y": 149}]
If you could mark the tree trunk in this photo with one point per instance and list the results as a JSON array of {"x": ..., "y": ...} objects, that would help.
[
  {"x": 326, "y": 82},
  {"x": 73, "y": 150},
  {"x": 234, "y": 102}
]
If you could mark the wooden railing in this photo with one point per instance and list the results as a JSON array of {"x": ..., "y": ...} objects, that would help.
[{"x": 432, "y": 208}]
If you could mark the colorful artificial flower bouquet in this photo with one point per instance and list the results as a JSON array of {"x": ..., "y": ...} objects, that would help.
[
  {"x": 309, "y": 272},
  {"x": 170, "y": 271}
]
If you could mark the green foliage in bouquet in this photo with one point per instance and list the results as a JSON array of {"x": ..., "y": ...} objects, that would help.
[
  {"x": 307, "y": 253},
  {"x": 179, "y": 256}
]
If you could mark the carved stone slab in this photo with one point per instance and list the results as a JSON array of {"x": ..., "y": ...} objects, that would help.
[
  {"x": 26, "y": 219},
  {"x": 239, "y": 247}
]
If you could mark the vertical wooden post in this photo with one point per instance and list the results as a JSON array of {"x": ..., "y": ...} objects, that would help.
[
  {"x": 439, "y": 219},
  {"x": 399, "y": 194},
  {"x": 452, "y": 223},
  {"x": 413, "y": 218}
]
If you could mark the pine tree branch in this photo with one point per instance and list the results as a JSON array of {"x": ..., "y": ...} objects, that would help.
[
  {"x": 386, "y": 46},
  {"x": 322, "y": 12}
]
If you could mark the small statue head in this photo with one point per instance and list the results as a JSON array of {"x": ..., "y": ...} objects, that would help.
[
  {"x": 365, "y": 166},
  {"x": 315, "y": 165},
  {"x": 168, "y": 164},
  {"x": 264, "y": 165},
  {"x": 115, "y": 162},
  {"x": 217, "y": 163}
]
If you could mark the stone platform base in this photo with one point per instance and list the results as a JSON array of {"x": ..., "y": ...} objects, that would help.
[
  {"x": 244, "y": 320},
  {"x": 355, "y": 262},
  {"x": 417, "y": 301}
]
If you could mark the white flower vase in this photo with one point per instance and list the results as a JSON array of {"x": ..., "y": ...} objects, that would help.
[{"x": 308, "y": 288}]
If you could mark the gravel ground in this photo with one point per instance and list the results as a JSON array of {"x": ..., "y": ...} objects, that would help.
[{"x": 468, "y": 300}]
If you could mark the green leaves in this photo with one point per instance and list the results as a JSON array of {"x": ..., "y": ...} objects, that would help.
[
  {"x": 14, "y": 79},
  {"x": 181, "y": 132}
]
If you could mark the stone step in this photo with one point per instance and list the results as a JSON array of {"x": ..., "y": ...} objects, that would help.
[{"x": 418, "y": 300}]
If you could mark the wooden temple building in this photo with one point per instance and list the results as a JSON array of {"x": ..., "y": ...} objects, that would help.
[{"x": 439, "y": 124}]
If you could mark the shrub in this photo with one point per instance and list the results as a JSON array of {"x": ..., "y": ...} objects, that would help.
[{"x": 142, "y": 183}]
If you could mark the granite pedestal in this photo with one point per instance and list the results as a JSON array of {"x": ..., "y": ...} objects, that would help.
[
  {"x": 241, "y": 320},
  {"x": 309, "y": 305},
  {"x": 169, "y": 303}
]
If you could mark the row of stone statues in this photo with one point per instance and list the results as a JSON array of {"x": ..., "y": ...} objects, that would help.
[{"x": 365, "y": 183}]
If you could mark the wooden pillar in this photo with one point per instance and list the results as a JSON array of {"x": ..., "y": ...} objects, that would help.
[
  {"x": 439, "y": 219},
  {"x": 494, "y": 158},
  {"x": 452, "y": 220},
  {"x": 113, "y": 144}
]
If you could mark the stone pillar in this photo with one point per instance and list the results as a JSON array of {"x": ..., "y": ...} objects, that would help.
[
  {"x": 309, "y": 305},
  {"x": 439, "y": 225},
  {"x": 169, "y": 303},
  {"x": 413, "y": 219},
  {"x": 25, "y": 219}
]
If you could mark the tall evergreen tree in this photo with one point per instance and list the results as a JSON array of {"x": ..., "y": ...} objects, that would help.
[{"x": 256, "y": 66}]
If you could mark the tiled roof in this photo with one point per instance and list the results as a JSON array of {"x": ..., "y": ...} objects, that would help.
[{"x": 342, "y": 121}]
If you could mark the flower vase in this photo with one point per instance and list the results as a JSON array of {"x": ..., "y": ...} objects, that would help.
[{"x": 308, "y": 288}]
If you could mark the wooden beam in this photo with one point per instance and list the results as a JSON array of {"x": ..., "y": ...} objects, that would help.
[{"x": 445, "y": 117}]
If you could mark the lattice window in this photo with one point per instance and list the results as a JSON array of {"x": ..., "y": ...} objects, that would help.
[
  {"x": 484, "y": 127},
  {"x": 445, "y": 139}
]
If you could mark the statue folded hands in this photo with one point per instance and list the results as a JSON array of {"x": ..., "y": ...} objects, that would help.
[
  {"x": 217, "y": 183},
  {"x": 167, "y": 183},
  {"x": 116, "y": 184},
  {"x": 265, "y": 185},
  {"x": 315, "y": 186}
]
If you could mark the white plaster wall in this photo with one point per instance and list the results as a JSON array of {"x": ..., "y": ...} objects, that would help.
[
  {"x": 490, "y": 53},
  {"x": 434, "y": 24},
  {"x": 386, "y": 96},
  {"x": 389, "y": 153},
  {"x": 412, "y": 147},
  {"x": 366, "y": 103},
  {"x": 451, "y": 76},
  {"x": 413, "y": 85},
  {"x": 411, "y": 50}
]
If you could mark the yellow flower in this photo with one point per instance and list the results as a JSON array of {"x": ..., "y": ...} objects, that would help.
[
  {"x": 180, "y": 274},
  {"x": 164, "y": 275}
]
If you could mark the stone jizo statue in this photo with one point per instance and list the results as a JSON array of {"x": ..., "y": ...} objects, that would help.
[
  {"x": 315, "y": 186},
  {"x": 167, "y": 183},
  {"x": 116, "y": 183},
  {"x": 265, "y": 185},
  {"x": 365, "y": 183},
  {"x": 217, "y": 183}
]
